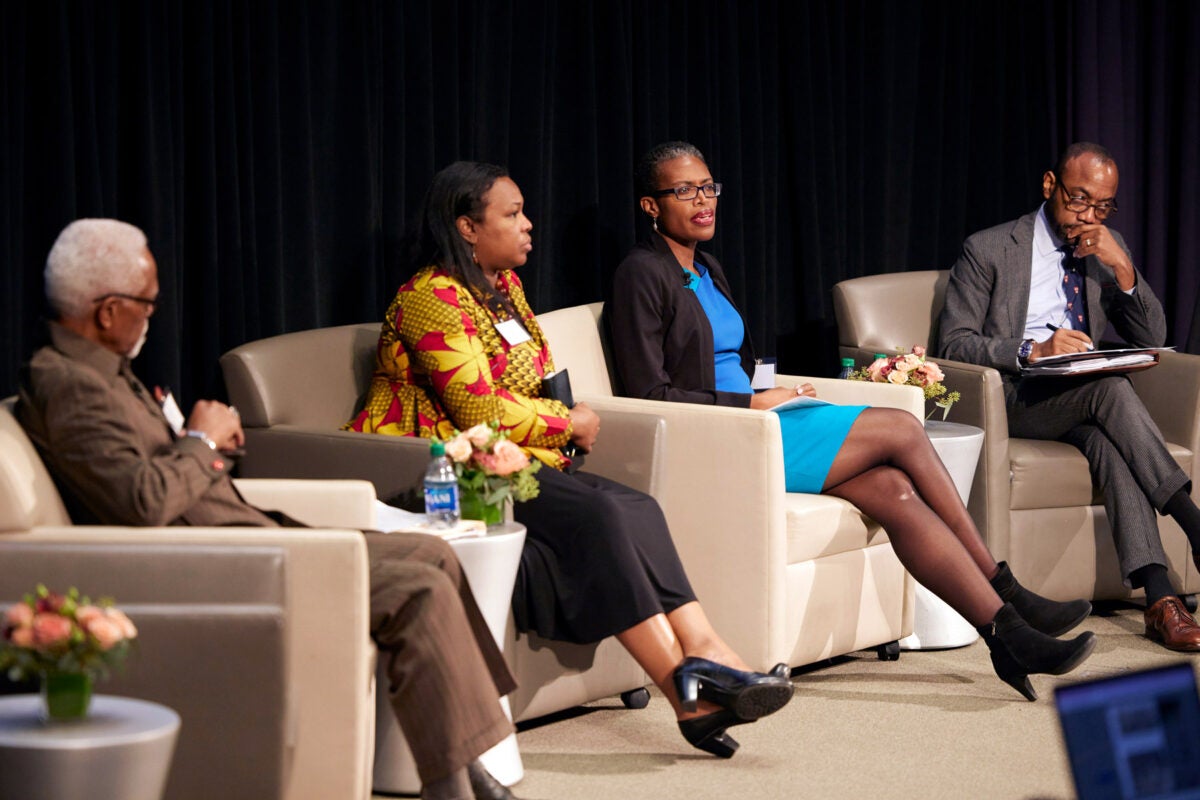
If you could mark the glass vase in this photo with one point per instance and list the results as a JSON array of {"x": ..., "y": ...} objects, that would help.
[
  {"x": 66, "y": 695},
  {"x": 471, "y": 506}
]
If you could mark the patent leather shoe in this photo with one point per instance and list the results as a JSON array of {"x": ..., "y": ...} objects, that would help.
[
  {"x": 749, "y": 695},
  {"x": 707, "y": 733},
  {"x": 1169, "y": 623}
]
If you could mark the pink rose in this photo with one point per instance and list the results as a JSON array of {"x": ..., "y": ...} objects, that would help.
[
  {"x": 908, "y": 362},
  {"x": 918, "y": 350},
  {"x": 22, "y": 637},
  {"x": 459, "y": 448},
  {"x": 85, "y": 614},
  {"x": 19, "y": 616},
  {"x": 932, "y": 372},
  {"x": 508, "y": 458},
  {"x": 479, "y": 435},
  {"x": 128, "y": 630},
  {"x": 50, "y": 630},
  {"x": 105, "y": 631},
  {"x": 878, "y": 370}
]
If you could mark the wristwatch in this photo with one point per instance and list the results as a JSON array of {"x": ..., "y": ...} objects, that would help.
[
  {"x": 1025, "y": 350},
  {"x": 202, "y": 436}
]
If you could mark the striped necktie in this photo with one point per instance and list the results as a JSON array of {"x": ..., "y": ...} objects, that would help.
[{"x": 1073, "y": 288}]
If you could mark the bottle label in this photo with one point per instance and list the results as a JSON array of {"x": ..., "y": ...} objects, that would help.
[{"x": 441, "y": 498}]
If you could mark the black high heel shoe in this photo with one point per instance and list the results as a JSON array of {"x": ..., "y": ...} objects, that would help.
[
  {"x": 749, "y": 695},
  {"x": 707, "y": 733},
  {"x": 1051, "y": 617},
  {"x": 1018, "y": 650}
]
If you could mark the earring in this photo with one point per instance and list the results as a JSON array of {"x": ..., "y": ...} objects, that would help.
[
  {"x": 654, "y": 223},
  {"x": 474, "y": 257}
]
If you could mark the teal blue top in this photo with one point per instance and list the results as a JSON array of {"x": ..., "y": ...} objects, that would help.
[{"x": 728, "y": 332}]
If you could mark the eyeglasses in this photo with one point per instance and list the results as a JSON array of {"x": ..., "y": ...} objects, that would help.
[
  {"x": 1079, "y": 203},
  {"x": 149, "y": 302},
  {"x": 690, "y": 192}
]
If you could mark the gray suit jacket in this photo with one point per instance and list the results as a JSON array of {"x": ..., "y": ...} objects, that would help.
[{"x": 987, "y": 298}]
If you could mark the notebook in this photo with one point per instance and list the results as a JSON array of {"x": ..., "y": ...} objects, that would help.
[{"x": 1135, "y": 735}]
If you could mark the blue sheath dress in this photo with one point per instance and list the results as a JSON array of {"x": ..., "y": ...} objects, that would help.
[{"x": 812, "y": 435}]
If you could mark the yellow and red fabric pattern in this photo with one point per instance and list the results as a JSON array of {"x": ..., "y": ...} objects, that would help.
[{"x": 441, "y": 365}]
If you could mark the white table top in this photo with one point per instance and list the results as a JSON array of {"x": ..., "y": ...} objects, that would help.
[{"x": 111, "y": 721}]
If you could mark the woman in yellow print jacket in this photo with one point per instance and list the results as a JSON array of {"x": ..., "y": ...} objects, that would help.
[{"x": 460, "y": 346}]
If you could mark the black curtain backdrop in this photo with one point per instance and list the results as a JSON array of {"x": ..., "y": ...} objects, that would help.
[{"x": 274, "y": 152}]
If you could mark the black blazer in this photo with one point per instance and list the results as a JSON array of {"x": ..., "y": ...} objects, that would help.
[{"x": 660, "y": 340}]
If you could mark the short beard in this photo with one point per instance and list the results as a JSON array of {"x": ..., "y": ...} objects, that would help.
[{"x": 137, "y": 348}]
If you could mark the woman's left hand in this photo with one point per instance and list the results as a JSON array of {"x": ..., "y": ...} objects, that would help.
[{"x": 806, "y": 390}]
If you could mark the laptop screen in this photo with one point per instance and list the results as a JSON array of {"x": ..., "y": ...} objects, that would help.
[{"x": 1134, "y": 735}]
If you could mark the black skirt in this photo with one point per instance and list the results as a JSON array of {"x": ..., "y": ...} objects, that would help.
[{"x": 598, "y": 559}]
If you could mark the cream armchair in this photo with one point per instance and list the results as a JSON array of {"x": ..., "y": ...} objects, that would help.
[
  {"x": 1034, "y": 501},
  {"x": 256, "y": 637},
  {"x": 784, "y": 577},
  {"x": 296, "y": 390}
]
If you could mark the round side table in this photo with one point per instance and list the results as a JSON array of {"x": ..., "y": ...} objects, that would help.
[
  {"x": 120, "y": 751},
  {"x": 937, "y": 626},
  {"x": 490, "y": 563}
]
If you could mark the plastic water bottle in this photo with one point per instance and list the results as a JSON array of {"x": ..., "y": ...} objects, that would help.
[
  {"x": 847, "y": 368},
  {"x": 441, "y": 489}
]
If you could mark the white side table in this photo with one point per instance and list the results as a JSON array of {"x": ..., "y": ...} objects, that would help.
[
  {"x": 490, "y": 563},
  {"x": 120, "y": 751},
  {"x": 937, "y": 626}
]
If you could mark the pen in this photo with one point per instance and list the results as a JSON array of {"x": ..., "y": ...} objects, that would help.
[{"x": 1055, "y": 328}]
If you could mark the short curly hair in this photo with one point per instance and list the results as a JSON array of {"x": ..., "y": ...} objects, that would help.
[
  {"x": 92, "y": 258},
  {"x": 645, "y": 175}
]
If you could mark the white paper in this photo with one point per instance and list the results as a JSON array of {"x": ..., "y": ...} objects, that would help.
[
  {"x": 513, "y": 332},
  {"x": 389, "y": 519},
  {"x": 171, "y": 411},
  {"x": 799, "y": 401},
  {"x": 764, "y": 375}
]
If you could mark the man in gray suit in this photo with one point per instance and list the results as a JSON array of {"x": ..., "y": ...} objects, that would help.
[{"x": 1044, "y": 285}]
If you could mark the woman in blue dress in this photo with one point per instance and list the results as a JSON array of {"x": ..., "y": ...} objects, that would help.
[{"x": 677, "y": 336}]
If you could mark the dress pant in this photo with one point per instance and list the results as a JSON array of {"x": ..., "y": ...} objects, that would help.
[
  {"x": 1105, "y": 419},
  {"x": 445, "y": 671}
]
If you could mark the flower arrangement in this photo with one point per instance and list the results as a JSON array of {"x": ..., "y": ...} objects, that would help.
[
  {"x": 490, "y": 469},
  {"x": 54, "y": 633},
  {"x": 911, "y": 369}
]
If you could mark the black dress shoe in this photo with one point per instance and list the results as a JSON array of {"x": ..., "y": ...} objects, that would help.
[
  {"x": 749, "y": 695},
  {"x": 486, "y": 787}
]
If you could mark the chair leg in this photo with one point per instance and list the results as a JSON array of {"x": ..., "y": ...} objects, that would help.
[
  {"x": 636, "y": 698},
  {"x": 1189, "y": 600},
  {"x": 888, "y": 651}
]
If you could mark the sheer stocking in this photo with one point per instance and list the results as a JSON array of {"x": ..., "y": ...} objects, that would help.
[{"x": 888, "y": 469}]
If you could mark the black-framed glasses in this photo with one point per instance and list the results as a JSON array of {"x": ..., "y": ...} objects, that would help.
[
  {"x": 149, "y": 302},
  {"x": 690, "y": 192},
  {"x": 1079, "y": 203}
]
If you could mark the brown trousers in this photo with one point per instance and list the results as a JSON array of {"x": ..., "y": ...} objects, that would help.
[{"x": 446, "y": 672}]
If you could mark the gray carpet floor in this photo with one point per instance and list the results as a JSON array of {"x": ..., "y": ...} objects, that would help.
[{"x": 934, "y": 724}]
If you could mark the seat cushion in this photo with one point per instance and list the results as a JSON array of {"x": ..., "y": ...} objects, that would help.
[
  {"x": 1048, "y": 474},
  {"x": 819, "y": 525}
]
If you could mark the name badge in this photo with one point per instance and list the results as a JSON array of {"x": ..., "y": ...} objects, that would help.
[
  {"x": 171, "y": 411},
  {"x": 513, "y": 332},
  {"x": 764, "y": 374}
]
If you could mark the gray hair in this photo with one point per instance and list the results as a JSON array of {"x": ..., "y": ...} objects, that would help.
[
  {"x": 92, "y": 258},
  {"x": 645, "y": 175}
]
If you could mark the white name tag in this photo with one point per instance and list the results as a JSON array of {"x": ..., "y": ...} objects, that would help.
[
  {"x": 513, "y": 332},
  {"x": 764, "y": 374},
  {"x": 172, "y": 413}
]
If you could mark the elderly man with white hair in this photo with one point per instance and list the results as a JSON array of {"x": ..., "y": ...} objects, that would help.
[{"x": 118, "y": 459}]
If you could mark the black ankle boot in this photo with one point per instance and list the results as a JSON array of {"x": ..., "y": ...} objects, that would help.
[
  {"x": 1019, "y": 651},
  {"x": 1050, "y": 617}
]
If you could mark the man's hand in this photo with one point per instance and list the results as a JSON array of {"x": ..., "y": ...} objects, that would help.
[
  {"x": 781, "y": 394},
  {"x": 1062, "y": 342},
  {"x": 219, "y": 422},
  {"x": 1096, "y": 240},
  {"x": 585, "y": 426}
]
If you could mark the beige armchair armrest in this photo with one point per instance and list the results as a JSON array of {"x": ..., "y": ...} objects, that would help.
[
  {"x": 316, "y": 503},
  {"x": 629, "y": 449},
  {"x": 849, "y": 393},
  {"x": 1171, "y": 393}
]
